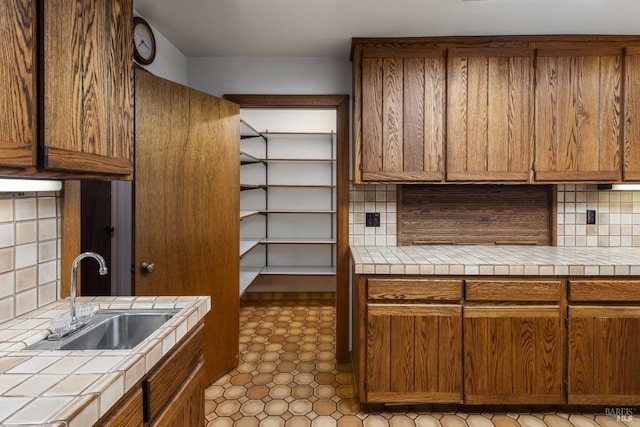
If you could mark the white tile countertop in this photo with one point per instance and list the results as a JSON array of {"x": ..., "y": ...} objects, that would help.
[
  {"x": 75, "y": 388},
  {"x": 496, "y": 260}
]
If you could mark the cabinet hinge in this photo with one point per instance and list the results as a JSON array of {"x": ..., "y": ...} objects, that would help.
[
  {"x": 366, "y": 384},
  {"x": 360, "y": 166},
  {"x": 566, "y": 322}
]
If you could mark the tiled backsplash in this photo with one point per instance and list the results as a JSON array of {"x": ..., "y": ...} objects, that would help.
[
  {"x": 617, "y": 216},
  {"x": 29, "y": 252},
  {"x": 373, "y": 198}
]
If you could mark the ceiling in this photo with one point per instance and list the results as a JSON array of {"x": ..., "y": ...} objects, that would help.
[{"x": 325, "y": 27}]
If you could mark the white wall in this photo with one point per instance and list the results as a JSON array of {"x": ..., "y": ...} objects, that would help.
[
  {"x": 169, "y": 63},
  {"x": 262, "y": 75}
]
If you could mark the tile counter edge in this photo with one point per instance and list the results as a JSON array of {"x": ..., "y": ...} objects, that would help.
[
  {"x": 496, "y": 260},
  {"x": 34, "y": 392}
]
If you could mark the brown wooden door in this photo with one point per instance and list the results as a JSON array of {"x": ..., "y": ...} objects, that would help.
[
  {"x": 414, "y": 353},
  {"x": 513, "y": 355},
  {"x": 603, "y": 355},
  {"x": 87, "y": 74},
  {"x": 578, "y": 117},
  {"x": 186, "y": 408},
  {"x": 403, "y": 113},
  {"x": 631, "y": 165},
  {"x": 186, "y": 219},
  {"x": 489, "y": 121},
  {"x": 18, "y": 99}
]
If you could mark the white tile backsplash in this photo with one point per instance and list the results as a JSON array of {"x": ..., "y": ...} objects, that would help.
[
  {"x": 617, "y": 216},
  {"x": 30, "y": 242}
]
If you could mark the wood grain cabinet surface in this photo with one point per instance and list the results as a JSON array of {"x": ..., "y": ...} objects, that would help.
[
  {"x": 513, "y": 354},
  {"x": 67, "y": 109},
  {"x": 403, "y": 111},
  {"x": 520, "y": 109},
  {"x": 86, "y": 115},
  {"x": 489, "y": 132},
  {"x": 496, "y": 340},
  {"x": 18, "y": 93},
  {"x": 579, "y": 112},
  {"x": 631, "y": 134}
]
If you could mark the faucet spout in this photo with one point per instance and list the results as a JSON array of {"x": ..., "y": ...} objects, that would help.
[{"x": 74, "y": 273}]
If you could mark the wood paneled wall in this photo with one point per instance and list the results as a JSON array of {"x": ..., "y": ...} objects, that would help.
[{"x": 475, "y": 215}]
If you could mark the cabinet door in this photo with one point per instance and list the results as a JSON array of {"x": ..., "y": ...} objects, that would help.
[
  {"x": 489, "y": 122},
  {"x": 578, "y": 118},
  {"x": 513, "y": 355},
  {"x": 403, "y": 112},
  {"x": 18, "y": 99},
  {"x": 87, "y": 70},
  {"x": 414, "y": 353},
  {"x": 603, "y": 355},
  {"x": 632, "y": 115},
  {"x": 186, "y": 408}
]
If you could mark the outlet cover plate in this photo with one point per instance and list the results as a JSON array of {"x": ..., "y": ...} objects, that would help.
[{"x": 372, "y": 219}]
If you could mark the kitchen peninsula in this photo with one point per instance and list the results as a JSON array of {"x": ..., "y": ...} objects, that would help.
[
  {"x": 496, "y": 324},
  {"x": 82, "y": 388}
]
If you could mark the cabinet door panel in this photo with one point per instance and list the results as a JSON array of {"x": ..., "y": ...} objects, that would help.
[
  {"x": 87, "y": 99},
  {"x": 17, "y": 68},
  {"x": 513, "y": 355},
  {"x": 414, "y": 353},
  {"x": 403, "y": 116},
  {"x": 488, "y": 115},
  {"x": 632, "y": 115},
  {"x": 578, "y": 114},
  {"x": 603, "y": 352}
]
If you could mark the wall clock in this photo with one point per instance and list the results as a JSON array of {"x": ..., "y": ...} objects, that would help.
[{"x": 144, "y": 47}]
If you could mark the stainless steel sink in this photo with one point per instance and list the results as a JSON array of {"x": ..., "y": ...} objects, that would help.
[{"x": 111, "y": 330}]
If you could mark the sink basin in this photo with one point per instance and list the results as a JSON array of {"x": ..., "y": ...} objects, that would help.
[{"x": 111, "y": 330}]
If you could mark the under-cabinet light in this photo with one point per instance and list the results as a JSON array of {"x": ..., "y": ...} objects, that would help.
[
  {"x": 26, "y": 185},
  {"x": 625, "y": 187}
]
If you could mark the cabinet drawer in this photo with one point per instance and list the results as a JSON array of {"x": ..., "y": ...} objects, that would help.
[
  {"x": 511, "y": 290},
  {"x": 604, "y": 290},
  {"x": 166, "y": 380},
  {"x": 414, "y": 289}
]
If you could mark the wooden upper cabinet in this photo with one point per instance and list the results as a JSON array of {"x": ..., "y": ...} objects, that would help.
[
  {"x": 87, "y": 74},
  {"x": 578, "y": 117},
  {"x": 631, "y": 167},
  {"x": 489, "y": 120},
  {"x": 18, "y": 93},
  {"x": 403, "y": 115}
]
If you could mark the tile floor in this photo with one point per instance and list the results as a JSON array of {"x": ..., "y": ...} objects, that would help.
[{"x": 288, "y": 377}]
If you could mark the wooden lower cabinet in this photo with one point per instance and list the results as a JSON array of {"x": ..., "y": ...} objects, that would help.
[
  {"x": 186, "y": 408},
  {"x": 414, "y": 353},
  {"x": 513, "y": 355},
  {"x": 171, "y": 394},
  {"x": 496, "y": 340},
  {"x": 604, "y": 346}
]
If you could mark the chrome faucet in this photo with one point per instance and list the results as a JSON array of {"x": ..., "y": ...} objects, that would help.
[{"x": 74, "y": 273}]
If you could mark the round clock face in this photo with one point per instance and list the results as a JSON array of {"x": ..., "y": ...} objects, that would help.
[{"x": 144, "y": 42}]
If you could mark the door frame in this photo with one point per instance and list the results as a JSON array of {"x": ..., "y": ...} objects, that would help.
[{"x": 340, "y": 103}]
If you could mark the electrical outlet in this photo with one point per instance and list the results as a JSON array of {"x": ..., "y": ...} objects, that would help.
[
  {"x": 373, "y": 219},
  {"x": 591, "y": 216}
]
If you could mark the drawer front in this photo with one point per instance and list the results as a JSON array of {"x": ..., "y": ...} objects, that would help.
[
  {"x": 159, "y": 387},
  {"x": 513, "y": 290},
  {"x": 604, "y": 290},
  {"x": 401, "y": 289}
]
